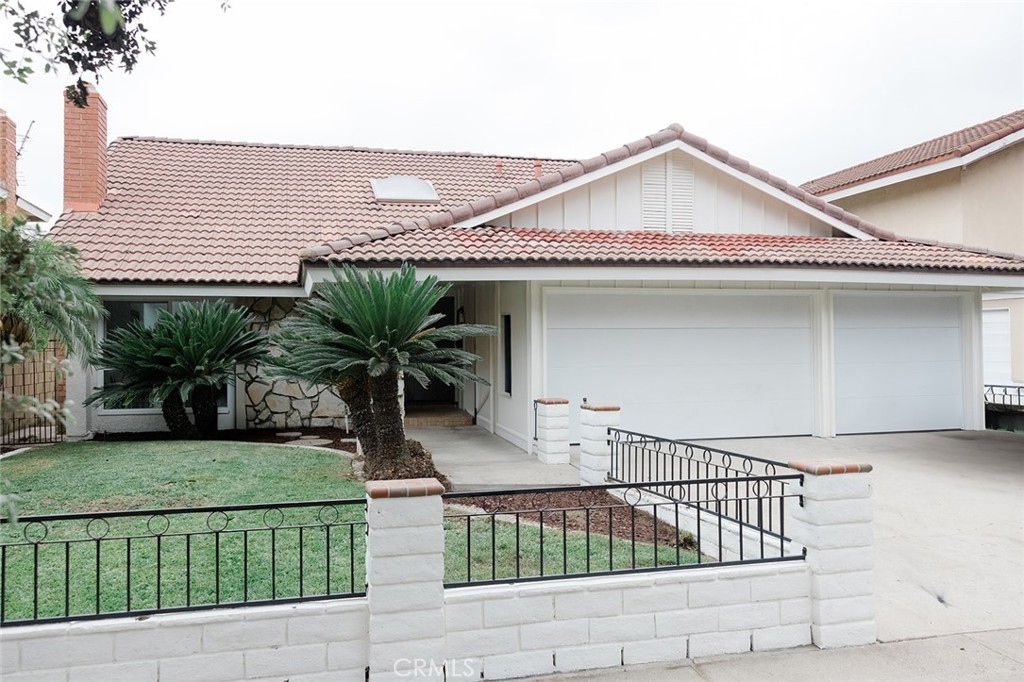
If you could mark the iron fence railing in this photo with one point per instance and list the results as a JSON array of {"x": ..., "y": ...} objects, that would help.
[
  {"x": 36, "y": 377},
  {"x": 1004, "y": 395},
  {"x": 557, "y": 532},
  {"x": 78, "y": 566}
]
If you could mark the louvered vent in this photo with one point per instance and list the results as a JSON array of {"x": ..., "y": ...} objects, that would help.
[{"x": 668, "y": 194}]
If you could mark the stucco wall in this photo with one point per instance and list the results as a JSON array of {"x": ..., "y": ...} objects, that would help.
[{"x": 993, "y": 201}]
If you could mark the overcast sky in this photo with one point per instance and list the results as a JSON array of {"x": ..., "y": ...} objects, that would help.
[{"x": 799, "y": 89}]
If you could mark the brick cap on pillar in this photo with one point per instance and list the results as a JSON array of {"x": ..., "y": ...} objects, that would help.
[
  {"x": 552, "y": 401},
  {"x": 600, "y": 408},
  {"x": 409, "y": 487},
  {"x": 827, "y": 468}
]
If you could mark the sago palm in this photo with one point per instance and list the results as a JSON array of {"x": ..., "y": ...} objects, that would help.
[{"x": 362, "y": 331}]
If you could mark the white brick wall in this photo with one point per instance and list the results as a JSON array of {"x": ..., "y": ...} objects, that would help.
[
  {"x": 284, "y": 642},
  {"x": 551, "y": 442},
  {"x": 579, "y": 624},
  {"x": 595, "y": 453}
]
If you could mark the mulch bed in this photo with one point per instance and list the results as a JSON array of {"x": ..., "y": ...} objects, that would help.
[
  {"x": 627, "y": 522},
  {"x": 340, "y": 439}
]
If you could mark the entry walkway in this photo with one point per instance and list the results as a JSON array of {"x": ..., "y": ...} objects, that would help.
[{"x": 474, "y": 459}]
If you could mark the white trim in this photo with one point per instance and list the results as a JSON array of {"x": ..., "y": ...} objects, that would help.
[
  {"x": 823, "y": 330},
  {"x": 1003, "y": 295},
  {"x": 40, "y": 215},
  {"x": 173, "y": 292},
  {"x": 631, "y": 161},
  {"x": 971, "y": 346},
  {"x": 703, "y": 274},
  {"x": 921, "y": 171},
  {"x": 513, "y": 437}
]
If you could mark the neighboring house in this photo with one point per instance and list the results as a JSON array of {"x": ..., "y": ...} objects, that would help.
[
  {"x": 967, "y": 188},
  {"x": 705, "y": 296},
  {"x": 20, "y": 206}
]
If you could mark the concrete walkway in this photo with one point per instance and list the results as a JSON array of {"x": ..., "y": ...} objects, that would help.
[
  {"x": 474, "y": 459},
  {"x": 993, "y": 656}
]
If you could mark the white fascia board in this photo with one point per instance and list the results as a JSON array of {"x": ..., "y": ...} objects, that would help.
[
  {"x": 654, "y": 153},
  {"x": 187, "y": 291},
  {"x": 922, "y": 171},
  {"x": 639, "y": 273},
  {"x": 37, "y": 214},
  {"x": 1003, "y": 295}
]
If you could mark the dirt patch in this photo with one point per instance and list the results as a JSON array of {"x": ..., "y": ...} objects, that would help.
[
  {"x": 421, "y": 465},
  {"x": 627, "y": 522}
]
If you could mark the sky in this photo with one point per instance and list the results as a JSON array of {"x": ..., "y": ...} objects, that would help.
[{"x": 801, "y": 89}]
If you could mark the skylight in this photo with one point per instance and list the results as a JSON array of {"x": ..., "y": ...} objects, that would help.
[{"x": 404, "y": 189}]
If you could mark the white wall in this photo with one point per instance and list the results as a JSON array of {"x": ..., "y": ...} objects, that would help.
[
  {"x": 721, "y": 204},
  {"x": 508, "y": 631},
  {"x": 304, "y": 642}
]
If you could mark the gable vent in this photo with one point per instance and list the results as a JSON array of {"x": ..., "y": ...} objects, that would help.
[
  {"x": 668, "y": 194},
  {"x": 404, "y": 189}
]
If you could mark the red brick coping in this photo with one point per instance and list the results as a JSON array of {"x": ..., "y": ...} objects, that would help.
[
  {"x": 600, "y": 408},
  {"x": 552, "y": 401},
  {"x": 826, "y": 468},
  {"x": 410, "y": 487}
]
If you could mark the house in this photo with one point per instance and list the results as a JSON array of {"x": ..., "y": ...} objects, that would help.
[
  {"x": 704, "y": 295},
  {"x": 966, "y": 187},
  {"x": 19, "y": 206}
]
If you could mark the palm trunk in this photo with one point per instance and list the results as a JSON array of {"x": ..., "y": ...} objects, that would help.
[
  {"x": 177, "y": 419},
  {"x": 393, "y": 452},
  {"x": 204, "y": 409},
  {"x": 355, "y": 393}
]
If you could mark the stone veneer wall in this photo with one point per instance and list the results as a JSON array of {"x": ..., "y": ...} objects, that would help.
[{"x": 279, "y": 404}]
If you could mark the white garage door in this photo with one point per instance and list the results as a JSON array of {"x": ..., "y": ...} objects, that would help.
[
  {"x": 898, "y": 363},
  {"x": 684, "y": 365},
  {"x": 996, "y": 346}
]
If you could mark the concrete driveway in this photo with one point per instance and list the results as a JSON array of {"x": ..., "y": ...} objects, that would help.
[{"x": 949, "y": 526}]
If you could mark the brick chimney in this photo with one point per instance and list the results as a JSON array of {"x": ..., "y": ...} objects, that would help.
[
  {"x": 85, "y": 153},
  {"x": 8, "y": 162}
]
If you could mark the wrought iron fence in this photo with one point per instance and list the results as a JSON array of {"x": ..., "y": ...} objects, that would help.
[
  {"x": 1007, "y": 396},
  {"x": 638, "y": 458},
  {"x": 37, "y": 377},
  {"x": 557, "y": 532},
  {"x": 76, "y": 566}
]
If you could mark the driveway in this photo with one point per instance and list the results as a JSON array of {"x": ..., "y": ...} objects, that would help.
[{"x": 949, "y": 525}]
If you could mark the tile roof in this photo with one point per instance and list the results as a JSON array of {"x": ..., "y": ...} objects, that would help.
[
  {"x": 191, "y": 211},
  {"x": 523, "y": 246},
  {"x": 957, "y": 144},
  {"x": 672, "y": 133}
]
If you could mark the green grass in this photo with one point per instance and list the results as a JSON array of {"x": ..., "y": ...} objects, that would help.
[
  {"x": 119, "y": 476},
  {"x": 493, "y": 542}
]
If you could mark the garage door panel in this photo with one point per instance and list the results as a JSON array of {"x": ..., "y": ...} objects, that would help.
[
  {"x": 858, "y": 311},
  {"x": 898, "y": 363},
  {"x": 661, "y": 347},
  {"x": 996, "y": 349},
  {"x": 633, "y": 311},
  {"x": 682, "y": 365},
  {"x": 895, "y": 346}
]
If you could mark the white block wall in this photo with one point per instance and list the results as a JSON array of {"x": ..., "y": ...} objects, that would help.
[
  {"x": 537, "y": 628},
  {"x": 311, "y": 642},
  {"x": 551, "y": 441},
  {"x": 595, "y": 452}
]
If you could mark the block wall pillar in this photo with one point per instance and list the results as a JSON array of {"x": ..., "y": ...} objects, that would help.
[
  {"x": 551, "y": 438},
  {"x": 595, "y": 451},
  {"x": 405, "y": 579},
  {"x": 835, "y": 525}
]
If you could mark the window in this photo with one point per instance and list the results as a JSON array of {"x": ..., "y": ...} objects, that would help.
[
  {"x": 506, "y": 341},
  {"x": 123, "y": 313}
]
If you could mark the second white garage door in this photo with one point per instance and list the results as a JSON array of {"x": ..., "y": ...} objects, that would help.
[
  {"x": 898, "y": 363},
  {"x": 684, "y": 365}
]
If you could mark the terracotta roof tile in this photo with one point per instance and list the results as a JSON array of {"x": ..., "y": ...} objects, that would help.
[
  {"x": 520, "y": 246},
  {"x": 236, "y": 212},
  {"x": 959, "y": 143}
]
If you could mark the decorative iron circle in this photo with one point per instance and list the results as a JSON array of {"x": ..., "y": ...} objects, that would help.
[
  {"x": 719, "y": 492},
  {"x": 759, "y": 488},
  {"x": 539, "y": 502},
  {"x": 35, "y": 531},
  {"x": 748, "y": 465},
  {"x": 632, "y": 499},
  {"x": 707, "y": 457},
  {"x": 689, "y": 452},
  {"x": 727, "y": 460},
  {"x": 673, "y": 448},
  {"x": 155, "y": 517},
  {"x": 658, "y": 444},
  {"x": 769, "y": 469},
  {"x": 214, "y": 526},
  {"x": 97, "y": 532},
  {"x": 279, "y": 520},
  {"x": 333, "y": 520}
]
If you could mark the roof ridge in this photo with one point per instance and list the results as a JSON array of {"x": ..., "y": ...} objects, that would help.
[
  {"x": 1015, "y": 122},
  {"x": 338, "y": 148},
  {"x": 576, "y": 169}
]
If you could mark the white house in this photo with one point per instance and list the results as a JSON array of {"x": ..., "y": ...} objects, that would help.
[{"x": 705, "y": 296}]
